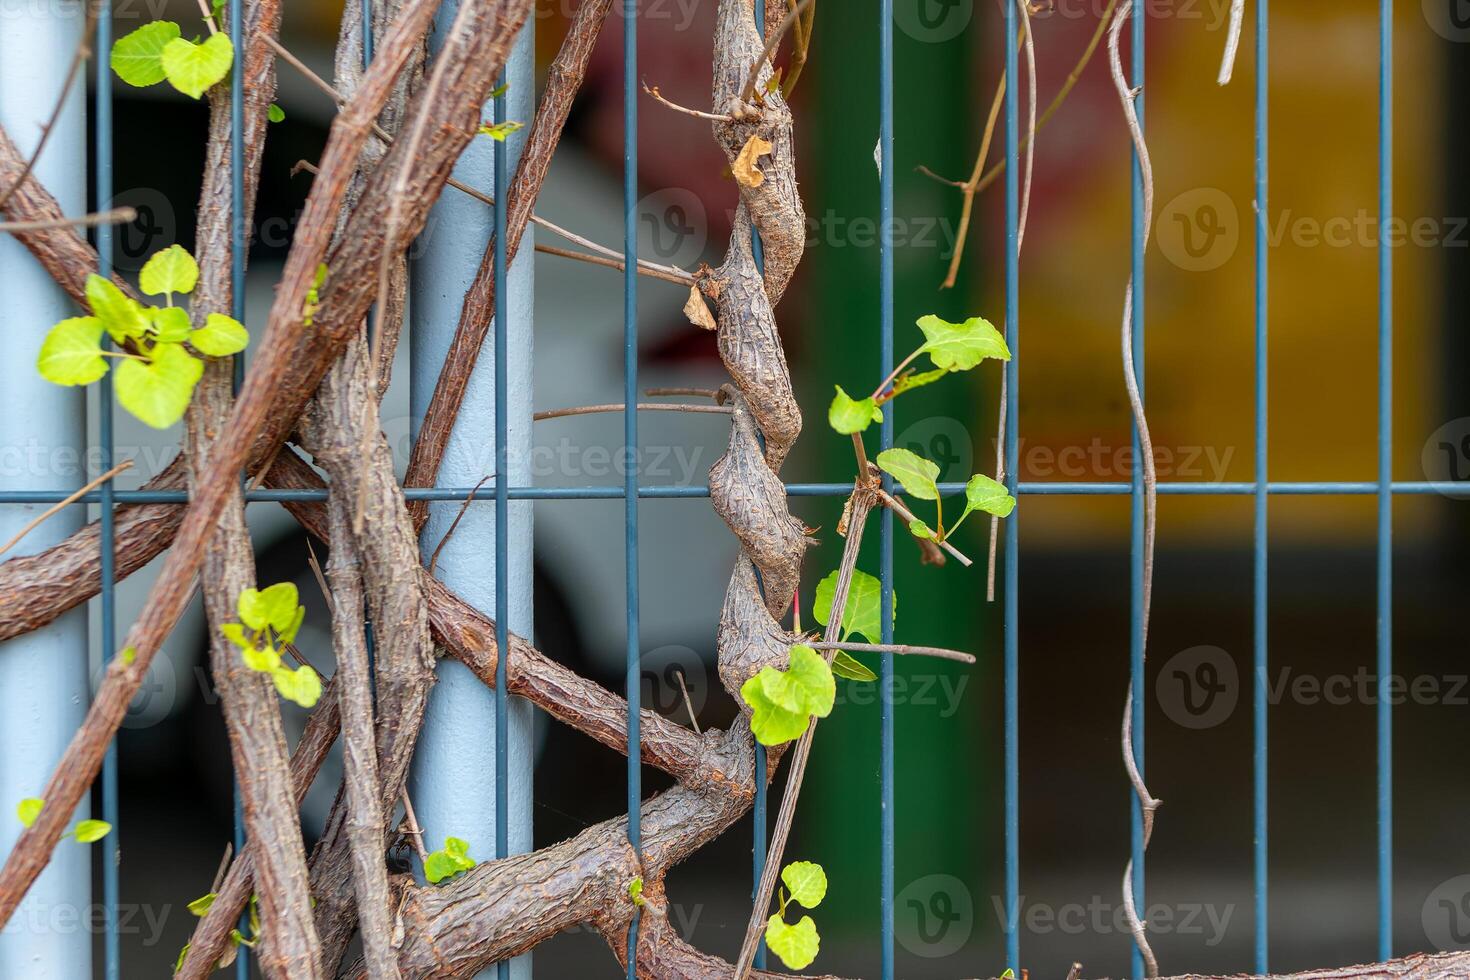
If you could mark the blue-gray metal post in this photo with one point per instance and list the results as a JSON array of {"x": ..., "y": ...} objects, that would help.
[
  {"x": 43, "y": 675},
  {"x": 453, "y": 785}
]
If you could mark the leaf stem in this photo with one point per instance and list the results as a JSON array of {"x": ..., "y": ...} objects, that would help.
[{"x": 892, "y": 375}]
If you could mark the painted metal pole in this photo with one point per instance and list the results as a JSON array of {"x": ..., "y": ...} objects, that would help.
[
  {"x": 43, "y": 675},
  {"x": 453, "y": 784}
]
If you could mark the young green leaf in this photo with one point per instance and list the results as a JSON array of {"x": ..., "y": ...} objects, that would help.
[
  {"x": 29, "y": 810},
  {"x": 193, "y": 68},
  {"x": 275, "y": 606},
  {"x": 90, "y": 831},
  {"x": 120, "y": 314},
  {"x": 136, "y": 57},
  {"x": 169, "y": 270},
  {"x": 844, "y": 665},
  {"x": 921, "y": 530},
  {"x": 797, "y": 945},
  {"x": 128, "y": 655},
  {"x": 782, "y": 701},
  {"x": 71, "y": 352},
  {"x": 960, "y": 346},
  {"x": 220, "y": 336},
  {"x": 983, "y": 493},
  {"x": 158, "y": 392},
  {"x": 499, "y": 131},
  {"x": 274, "y": 113},
  {"x": 235, "y": 633},
  {"x": 916, "y": 473},
  {"x": 909, "y": 380},
  {"x": 170, "y": 323},
  {"x": 288, "y": 635},
  {"x": 200, "y": 906},
  {"x": 862, "y": 614},
  {"x": 448, "y": 862},
  {"x": 301, "y": 686},
  {"x": 267, "y": 660},
  {"x": 806, "y": 881},
  {"x": 847, "y": 415},
  {"x": 635, "y": 889}
]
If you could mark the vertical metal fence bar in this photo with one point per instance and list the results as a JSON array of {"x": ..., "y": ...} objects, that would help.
[
  {"x": 885, "y": 601},
  {"x": 502, "y": 505},
  {"x": 1012, "y": 527},
  {"x": 111, "y": 852},
  {"x": 630, "y": 438},
  {"x": 1136, "y": 547},
  {"x": 758, "y": 807},
  {"x": 1385, "y": 481},
  {"x": 1262, "y": 500}
]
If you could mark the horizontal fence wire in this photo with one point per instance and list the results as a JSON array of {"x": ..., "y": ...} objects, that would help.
[{"x": 485, "y": 493}]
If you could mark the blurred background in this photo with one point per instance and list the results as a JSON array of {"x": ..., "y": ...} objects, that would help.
[{"x": 1074, "y": 424}]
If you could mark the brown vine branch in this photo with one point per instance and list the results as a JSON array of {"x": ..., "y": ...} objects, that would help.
[
  {"x": 897, "y": 648},
  {"x": 115, "y": 216}
]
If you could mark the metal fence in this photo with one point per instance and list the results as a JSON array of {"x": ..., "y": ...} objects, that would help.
[{"x": 1384, "y": 488}]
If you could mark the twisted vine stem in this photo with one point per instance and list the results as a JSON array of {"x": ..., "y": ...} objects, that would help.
[{"x": 1146, "y": 801}]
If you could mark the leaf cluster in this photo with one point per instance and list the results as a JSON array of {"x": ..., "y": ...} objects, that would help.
[
  {"x": 797, "y": 943},
  {"x": 269, "y": 621},
  {"x": 454, "y": 858},
  {"x": 157, "y": 372}
]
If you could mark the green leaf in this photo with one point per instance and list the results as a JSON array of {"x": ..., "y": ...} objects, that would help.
[
  {"x": 121, "y": 315},
  {"x": 275, "y": 606},
  {"x": 499, "y": 90},
  {"x": 200, "y": 906},
  {"x": 288, "y": 635},
  {"x": 90, "y": 831},
  {"x": 169, "y": 270},
  {"x": 806, "y": 881},
  {"x": 921, "y": 530},
  {"x": 235, "y": 633},
  {"x": 960, "y": 346},
  {"x": 71, "y": 353},
  {"x": 439, "y": 866},
  {"x": 635, "y": 890},
  {"x": 170, "y": 323},
  {"x": 158, "y": 392},
  {"x": 128, "y": 655},
  {"x": 456, "y": 847},
  {"x": 847, "y": 415},
  {"x": 29, "y": 810},
  {"x": 845, "y": 665},
  {"x": 267, "y": 660},
  {"x": 136, "y": 57},
  {"x": 908, "y": 380},
  {"x": 193, "y": 68},
  {"x": 220, "y": 336},
  {"x": 983, "y": 493},
  {"x": 499, "y": 131},
  {"x": 183, "y": 955},
  {"x": 916, "y": 473},
  {"x": 782, "y": 701},
  {"x": 862, "y": 614},
  {"x": 301, "y": 686},
  {"x": 797, "y": 945},
  {"x": 274, "y": 113}
]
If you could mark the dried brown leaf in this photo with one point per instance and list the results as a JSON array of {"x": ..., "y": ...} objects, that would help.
[{"x": 744, "y": 168}]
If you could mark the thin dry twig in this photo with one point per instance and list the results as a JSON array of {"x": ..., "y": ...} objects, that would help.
[
  {"x": 897, "y": 648},
  {"x": 454, "y": 525},
  {"x": 908, "y": 516},
  {"x": 688, "y": 702},
  {"x": 773, "y": 41},
  {"x": 557, "y": 413},
  {"x": 1147, "y": 803},
  {"x": 116, "y": 216},
  {"x": 61, "y": 505},
  {"x": 79, "y": 57},
  {"x": 657, "y": 96},
  {"x": 1232, "y": 42}
]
